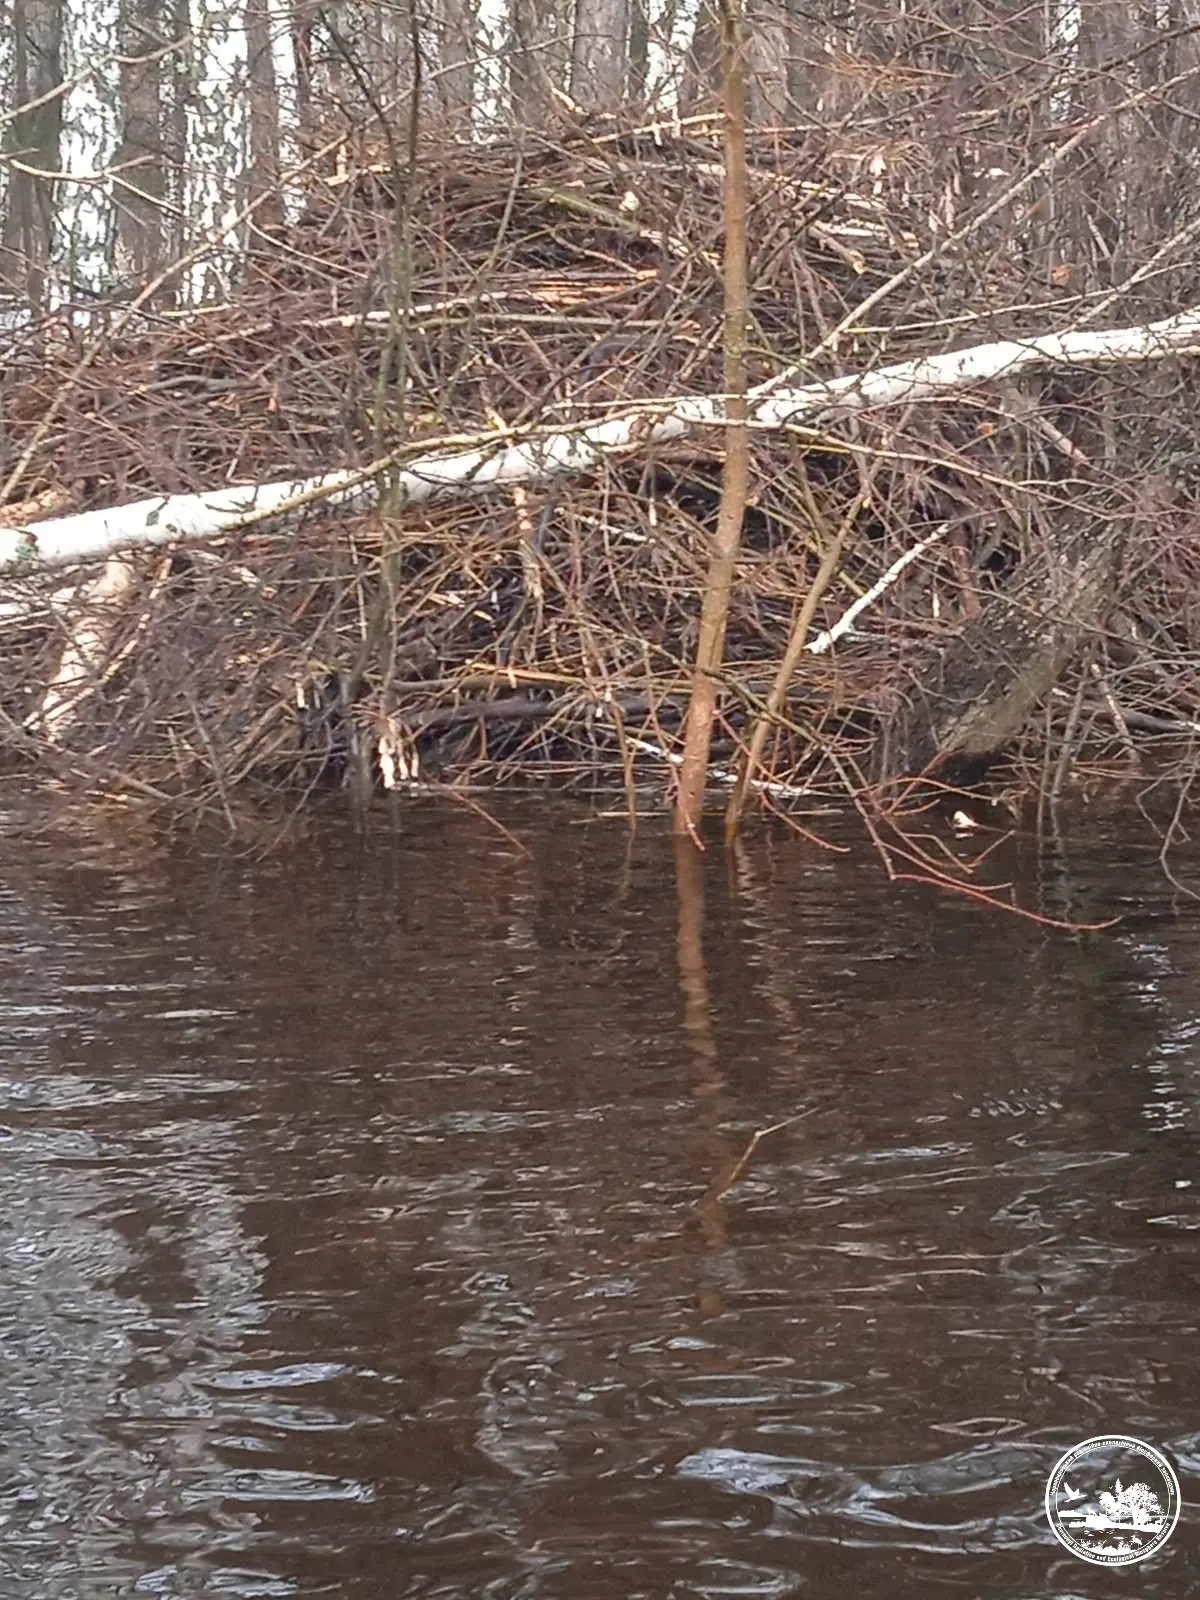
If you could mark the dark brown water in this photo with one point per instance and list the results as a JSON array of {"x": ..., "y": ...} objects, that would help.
[{"x": 361, "y": 1230}]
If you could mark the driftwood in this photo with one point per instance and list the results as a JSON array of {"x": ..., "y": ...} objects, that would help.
[{"x": 978, "y": 693}]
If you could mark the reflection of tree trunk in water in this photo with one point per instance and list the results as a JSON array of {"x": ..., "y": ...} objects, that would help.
[
  {"x": 693, "y": 975},
  {"x": 697, "y": 1024},
  {"x": 1058, "y": 896},
  {"x": 768, "y": 938}
]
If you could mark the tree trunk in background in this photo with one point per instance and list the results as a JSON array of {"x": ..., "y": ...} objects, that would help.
[
  {"x": 300, "y": 30},
  {"x": 392, "y": 64},
  {"x": 33, "y": 138},
  {"x": 263, "y": 174},
  {"x": 639, "y": 52},
  {"x": 701, "y": 66},
  {"x": 766, "y": 63},
  {"x": 178, "y": 77},
  {"x": 815, "y": 88},
  {"x": 1106, "y": 222},
  {"x": 141, "y": 188},
  {"x": 599, "y": 52},
  {"x": 538, "y": 59},
  {"x": 358, "y": 60},
  {"x": 702, "y": 69},
  {"x": 455, "y": 90}
]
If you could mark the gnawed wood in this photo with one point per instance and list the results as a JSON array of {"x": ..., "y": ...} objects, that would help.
[{"x": 96, "y": 605}]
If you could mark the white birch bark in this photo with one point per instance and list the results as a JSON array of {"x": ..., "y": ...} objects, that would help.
[
  {"x": 89, "y": 638},
  {"x": 510, "y": 460}
]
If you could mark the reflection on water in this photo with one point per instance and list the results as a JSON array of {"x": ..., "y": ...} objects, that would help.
[{"x": 378, "y": 1220}]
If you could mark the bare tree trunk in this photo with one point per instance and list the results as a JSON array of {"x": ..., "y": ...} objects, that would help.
[
  {"x": 538, "y": 58},
  {"x": 639, "y": 51},
  {"x": 702, "y": 69},
  {"x": 138, "y": 241},
  {"x": 263, "y": 174},
  {"x": 359, "y": 60},
  {"x": 456, "y": 48},
  {"x": 33, "y": 142},
  {"x": 300, "y": 30},
  {"x": 175, "y": 138},
  {"x": 599, "y": 52},
  {"x": 396, "y": 64},
  {"x": 766, "y": 63},
  {"x": 815, "y": 87},
  {"x": 735, "y": 483}
]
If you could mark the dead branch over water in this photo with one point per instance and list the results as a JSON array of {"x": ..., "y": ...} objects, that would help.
[{"x": 1027, "y": 545}]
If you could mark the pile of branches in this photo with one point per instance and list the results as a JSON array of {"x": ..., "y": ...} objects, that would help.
[
  {"x": 546, "y": 630},
  {"x": 512, "y": 281}
]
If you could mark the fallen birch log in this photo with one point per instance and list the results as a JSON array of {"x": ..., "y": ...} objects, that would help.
[
  {"x": 87, "y": 646},
  {"x": 510, "y": 460}
]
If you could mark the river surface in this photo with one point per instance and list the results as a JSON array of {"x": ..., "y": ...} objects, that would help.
[{"x": 374, "y": 1218}]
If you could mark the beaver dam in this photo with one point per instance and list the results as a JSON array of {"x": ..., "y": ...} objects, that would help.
[{"x": 992, "y": 567}]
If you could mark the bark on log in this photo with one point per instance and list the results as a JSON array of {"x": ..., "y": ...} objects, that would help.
[
  {"x": 87, "y": 644},
  {"x": 979, "y": 691},
  {"x": 535, "y": 458}
]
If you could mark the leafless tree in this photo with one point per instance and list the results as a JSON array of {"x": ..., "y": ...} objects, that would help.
[
  {"x": 600, "y": 53},
  {"x": 32, "y": 145},
  {"x": 457, "y": 49},
  {"x": 538, "y": 58},
  {"x": 144, "y": 175},
  {"x": 262, "y": 113}
]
